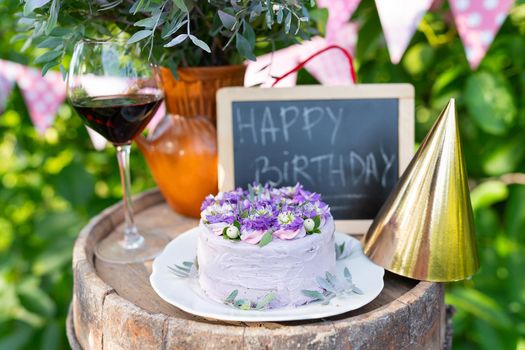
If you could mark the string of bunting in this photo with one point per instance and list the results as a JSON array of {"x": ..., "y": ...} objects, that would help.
[{"x": 477, "y": 22}]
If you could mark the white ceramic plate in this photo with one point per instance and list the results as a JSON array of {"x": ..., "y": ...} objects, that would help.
[{"x": 186, "y": 294}]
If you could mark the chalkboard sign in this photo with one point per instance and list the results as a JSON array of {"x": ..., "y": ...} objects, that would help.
[{"x": 348, "y": 143}]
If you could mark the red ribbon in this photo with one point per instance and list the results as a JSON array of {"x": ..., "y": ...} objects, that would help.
[{"x": 303, "y": 63}]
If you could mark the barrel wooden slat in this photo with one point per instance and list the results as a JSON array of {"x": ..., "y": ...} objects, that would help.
[{"x": 114, "y": 306}]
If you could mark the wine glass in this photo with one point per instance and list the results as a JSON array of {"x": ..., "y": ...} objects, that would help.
[{"x": 116, "y": 91}]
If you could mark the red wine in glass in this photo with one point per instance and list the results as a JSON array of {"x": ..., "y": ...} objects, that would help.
[
  {"x": 116, "y": 92},
  {"x": 119, "y": 118}
]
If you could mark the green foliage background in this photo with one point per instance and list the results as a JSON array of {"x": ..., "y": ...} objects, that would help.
[{"x": 52, "y": 184}]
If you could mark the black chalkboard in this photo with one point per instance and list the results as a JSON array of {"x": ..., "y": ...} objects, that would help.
[{"x": 346, "y": 149}]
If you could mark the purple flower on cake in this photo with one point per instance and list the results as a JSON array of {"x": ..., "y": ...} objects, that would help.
[
  {"x": 288, "y": 191},
  {"x": 231, "y": 197},
  {"x": 290, "y": 226},
  {"x": 209, "y": 200},
  {"x": 261, "y": 217},
  {"x": 312, "y": 209},
  {"x": 217, "y": 216}
]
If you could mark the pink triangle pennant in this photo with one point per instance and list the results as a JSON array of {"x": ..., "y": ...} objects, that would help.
[
  {"x": 339, "y": 13},
  {"x": 262, "y": 72},
  {"x": 399, "y": 21},
  {"x": 329, "y": 69},
  {"x": 478, "y": 22},
  {"x": 42, "y": 94},
  {"x": 332, "y": 67}
]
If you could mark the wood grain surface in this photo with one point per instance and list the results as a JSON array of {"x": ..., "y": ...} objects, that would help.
[{"x": 114, "y": 306}]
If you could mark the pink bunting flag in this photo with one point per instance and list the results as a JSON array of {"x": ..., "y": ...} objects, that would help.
[
  {"x": 339, "y": 13},
  {"x": 262, "y": 72},
  {"x": 43, "y": 95},
  {"x": 399, "y": 20},
  {"x": 331, "y": 68},
  {"x": 477, "y": 22}
]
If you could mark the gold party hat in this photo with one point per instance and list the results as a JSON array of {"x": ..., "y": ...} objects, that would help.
[{"x": 425, "y": 229}]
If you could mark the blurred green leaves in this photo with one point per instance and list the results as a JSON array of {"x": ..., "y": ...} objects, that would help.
[
  {"x": 481, "y": 306},
  {"x": 488, "y": 193},
  {"x": 418, "y": 58},
  {"x": 490, "y": 102},
  {"x": 75, "y": 184}
]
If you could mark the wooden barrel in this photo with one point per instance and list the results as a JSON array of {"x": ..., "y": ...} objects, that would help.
[{"x": 114, "y": 306}]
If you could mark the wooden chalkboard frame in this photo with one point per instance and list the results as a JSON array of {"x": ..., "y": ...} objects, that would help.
[{"x": 404, "y": 93}]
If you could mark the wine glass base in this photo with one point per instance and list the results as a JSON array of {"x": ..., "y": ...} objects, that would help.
[{"x": 111, "y": 248}]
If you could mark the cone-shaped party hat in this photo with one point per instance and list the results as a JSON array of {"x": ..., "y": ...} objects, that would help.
[{"x": 425, "y": 229}]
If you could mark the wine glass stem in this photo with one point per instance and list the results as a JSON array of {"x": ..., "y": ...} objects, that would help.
[{"x": 132, "y": 238}]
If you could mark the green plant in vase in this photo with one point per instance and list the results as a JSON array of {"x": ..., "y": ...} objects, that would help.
[{"x": 201, "y": 46}]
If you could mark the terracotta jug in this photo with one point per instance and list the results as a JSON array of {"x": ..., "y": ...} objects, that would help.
[{"x": 182, "y": 150}]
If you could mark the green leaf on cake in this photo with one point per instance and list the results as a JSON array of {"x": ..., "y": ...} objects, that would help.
[
  {"x": 246, "y": 305},
  {"x": 236, "y": 224},
  {"x": 265, "y": 301},
  {"x": 317, "y": 221},
  {"x": 267, "y": 238},
  {"x": 315, "y": 295},
  {"x": 230, "y": 298}
]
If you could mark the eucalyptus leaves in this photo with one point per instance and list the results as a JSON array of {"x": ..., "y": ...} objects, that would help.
[
  {"x": 331, "y": 287},
  {"x": 188, "y": 269},
  {"x": 204, "y": 32},
  {"x": 242, "y": 304}
]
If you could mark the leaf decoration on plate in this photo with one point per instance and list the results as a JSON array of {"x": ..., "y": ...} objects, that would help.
[
  {"x": 331, "y": 287},
  {"x": 188, "y": 269},
  {"x": 242, "y": 304},
  {"x": 343, "y": 251}
]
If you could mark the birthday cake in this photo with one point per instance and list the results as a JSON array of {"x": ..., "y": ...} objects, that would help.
[{"x": 264, "y": 246}]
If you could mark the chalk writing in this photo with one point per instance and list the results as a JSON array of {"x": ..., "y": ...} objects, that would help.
[
  {"x": 347, "y": 150},
  {"x": 330, "y": 169},
  {"x": 276, "y": 127}
]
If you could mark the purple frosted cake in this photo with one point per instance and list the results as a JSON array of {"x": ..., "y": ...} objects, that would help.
[{"x": 264, "y": 242}]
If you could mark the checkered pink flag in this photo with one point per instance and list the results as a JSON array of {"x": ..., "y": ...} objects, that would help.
[
  {"x": 339, "y": 13},
  {"x": 332, "y": 68},
  {"x": 43, "y": 95},
  {"x": 477, "y": 22}
]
